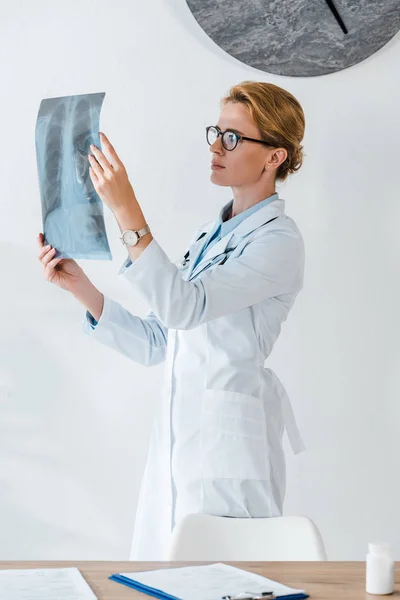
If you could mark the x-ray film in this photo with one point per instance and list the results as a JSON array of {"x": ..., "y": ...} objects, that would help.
[{"x": 72, "y": 212}]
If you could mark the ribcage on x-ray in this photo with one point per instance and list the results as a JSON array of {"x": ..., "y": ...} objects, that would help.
[{"x": 73, "y": 219}]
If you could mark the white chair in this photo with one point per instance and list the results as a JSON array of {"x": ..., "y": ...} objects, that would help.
[{"x": 206, "y": 538}]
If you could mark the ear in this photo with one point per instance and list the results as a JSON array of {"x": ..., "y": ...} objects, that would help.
[{"x": 277, "y": 157}]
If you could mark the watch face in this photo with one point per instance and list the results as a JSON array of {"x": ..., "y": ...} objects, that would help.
[
  {"x": 130, "y": 238},
  {"x": 299, "y": 38}
]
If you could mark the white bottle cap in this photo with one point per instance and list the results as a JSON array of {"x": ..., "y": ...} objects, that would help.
[{"x": 379, "y": 548}]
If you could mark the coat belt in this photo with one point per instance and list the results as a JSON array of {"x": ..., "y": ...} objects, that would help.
[{"x": 289, "y": 419}]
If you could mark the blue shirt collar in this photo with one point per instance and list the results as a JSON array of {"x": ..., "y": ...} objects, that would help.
[{"x": 228, "y": 225}]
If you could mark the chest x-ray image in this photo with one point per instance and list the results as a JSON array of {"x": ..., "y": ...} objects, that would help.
[{"x": 72, "y": 212}]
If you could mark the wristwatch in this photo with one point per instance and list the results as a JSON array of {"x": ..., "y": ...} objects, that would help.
[{"x": 131, "y": 237}]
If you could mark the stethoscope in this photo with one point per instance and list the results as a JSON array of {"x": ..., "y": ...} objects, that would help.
[{"x": 186, "y": 258}]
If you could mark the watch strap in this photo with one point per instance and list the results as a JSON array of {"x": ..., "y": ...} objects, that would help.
[{"x": 140, "y": 232}]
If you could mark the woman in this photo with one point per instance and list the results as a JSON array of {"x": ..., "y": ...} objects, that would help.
[{"x": 216, "y": 446}]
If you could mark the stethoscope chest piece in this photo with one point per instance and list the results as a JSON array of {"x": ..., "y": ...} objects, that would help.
[{"x": 186, "y": 260}]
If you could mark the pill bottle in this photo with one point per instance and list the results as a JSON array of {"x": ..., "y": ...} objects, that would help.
[{"x": 379, "y": 569}]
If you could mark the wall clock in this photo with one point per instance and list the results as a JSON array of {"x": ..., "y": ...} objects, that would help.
[{"x": 298, "y": 38}]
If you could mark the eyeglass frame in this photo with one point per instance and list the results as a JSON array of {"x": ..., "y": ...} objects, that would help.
[{"x": 238, "y": 137}]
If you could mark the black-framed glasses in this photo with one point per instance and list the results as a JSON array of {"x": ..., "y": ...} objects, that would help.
[{"x": 230, "y": 139}]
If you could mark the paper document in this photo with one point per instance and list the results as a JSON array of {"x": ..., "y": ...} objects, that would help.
[
  {"x": 44, "y": 584},
  {"x": 209, "y": 582}
]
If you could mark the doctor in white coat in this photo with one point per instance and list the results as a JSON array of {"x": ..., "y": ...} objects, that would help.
[{"x": 216, "y": 445}]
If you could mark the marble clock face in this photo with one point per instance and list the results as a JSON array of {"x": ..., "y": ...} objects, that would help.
[{"x": 299, "y": 38}]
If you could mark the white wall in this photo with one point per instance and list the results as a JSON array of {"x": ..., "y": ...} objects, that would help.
[{"x": 75, "y": 417}]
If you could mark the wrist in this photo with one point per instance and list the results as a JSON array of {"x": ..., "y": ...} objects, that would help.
[
  {"x": 128, "y": 218},
  {"x": 90, "y": 297},
  {"x": 81, "y": 286}
]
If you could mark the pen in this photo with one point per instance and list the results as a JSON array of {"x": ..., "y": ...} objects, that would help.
[{"x": 248, "y": 596}]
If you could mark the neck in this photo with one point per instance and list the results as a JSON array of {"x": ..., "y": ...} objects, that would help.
[{"x": 242, "y": 202}]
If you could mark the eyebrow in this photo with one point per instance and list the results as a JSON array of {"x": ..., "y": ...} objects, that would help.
[{"x": 232, "y": 129}]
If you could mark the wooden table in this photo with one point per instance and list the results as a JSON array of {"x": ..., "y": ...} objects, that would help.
[{"x": 329, "y": 580}]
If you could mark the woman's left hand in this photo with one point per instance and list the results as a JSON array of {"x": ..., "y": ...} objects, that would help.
[{"x": 110, "y": 179}]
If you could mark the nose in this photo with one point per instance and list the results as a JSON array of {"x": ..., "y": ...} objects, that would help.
[{"x": 217, "y": 146}]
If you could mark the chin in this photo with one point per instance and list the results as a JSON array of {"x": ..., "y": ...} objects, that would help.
[
  {"x": 221, "y": 184},
  {"x": 217, "y": 180}
]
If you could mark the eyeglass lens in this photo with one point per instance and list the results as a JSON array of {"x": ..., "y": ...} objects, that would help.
[{"x": 229, "y": 139}]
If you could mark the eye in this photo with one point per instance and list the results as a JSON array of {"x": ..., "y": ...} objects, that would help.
[{"x": 230, "y": 139}]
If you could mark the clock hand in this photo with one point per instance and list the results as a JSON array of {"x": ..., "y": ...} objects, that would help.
[{"x": 336, "y": 15}]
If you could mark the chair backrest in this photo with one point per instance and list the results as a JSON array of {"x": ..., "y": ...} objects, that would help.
[{"x": 208, "y": 538}]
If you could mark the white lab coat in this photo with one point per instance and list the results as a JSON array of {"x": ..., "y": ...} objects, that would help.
[{"x": 216, "y": 445}]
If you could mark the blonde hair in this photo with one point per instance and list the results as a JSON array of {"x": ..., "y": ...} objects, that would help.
[{"x": 278, "y": 116}]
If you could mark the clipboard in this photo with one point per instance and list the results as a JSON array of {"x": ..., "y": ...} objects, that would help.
[{"x": 205, "y": 582}]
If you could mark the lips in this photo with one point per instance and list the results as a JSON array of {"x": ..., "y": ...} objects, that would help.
[{"x": 215, "y": 164}]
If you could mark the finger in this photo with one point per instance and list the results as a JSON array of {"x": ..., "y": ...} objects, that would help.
[
  {"x": 47, "y": 257},
  {"x": 114, "y": 158},
  {"x": 96, "y": 167},
  {"x": 53, "y": 263},
  {"x": 43, "y": 251},
  {"x": 40, "y": 239},
  {"x": 49, "y": 270},
  {"x": 101, "y": 159},
  {"x": 93, "y": 176}
]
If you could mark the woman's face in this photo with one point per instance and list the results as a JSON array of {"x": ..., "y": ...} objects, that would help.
[{"x": 245, "y": 164}]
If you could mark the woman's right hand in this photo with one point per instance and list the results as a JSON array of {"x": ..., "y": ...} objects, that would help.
[{"x": 64, "y": 272}]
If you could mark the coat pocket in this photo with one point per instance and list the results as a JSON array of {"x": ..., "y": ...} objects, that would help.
[{"x": 234, "y": 436}]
